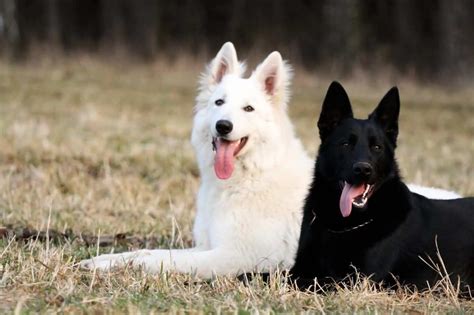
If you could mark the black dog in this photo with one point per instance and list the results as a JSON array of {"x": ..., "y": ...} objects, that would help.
[{"x": 359, "y": 215}]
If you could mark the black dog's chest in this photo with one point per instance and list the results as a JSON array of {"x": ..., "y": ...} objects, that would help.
[
  {"x": 345, "y": 253},
  {"x": 351, "y": 254}
]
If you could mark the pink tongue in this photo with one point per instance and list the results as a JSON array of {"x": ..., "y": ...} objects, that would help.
[
  {"x": 348, "y": 195},
  {"x": 224, "y": 159}
]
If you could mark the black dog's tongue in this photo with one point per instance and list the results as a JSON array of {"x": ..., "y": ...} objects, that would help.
[{"x": 349, "y": 193}]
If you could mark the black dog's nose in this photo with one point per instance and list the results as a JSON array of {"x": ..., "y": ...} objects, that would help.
[
  {"x": 363, "y": 169},
  {"x": 223, "y": 127}
]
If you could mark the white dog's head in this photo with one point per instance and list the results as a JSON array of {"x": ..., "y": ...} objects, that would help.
[{"x": 241, "y": 122}]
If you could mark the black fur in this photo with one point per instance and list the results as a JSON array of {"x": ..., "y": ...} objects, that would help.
[{"x": 386, "y": 238}]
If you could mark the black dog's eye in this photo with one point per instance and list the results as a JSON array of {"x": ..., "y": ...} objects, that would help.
[
  {"x": 219, "y": 102},
  {"x": 376, "y": 147},
  {"x": 345, "y": 144},
  {"x": 248, "y": 108}
]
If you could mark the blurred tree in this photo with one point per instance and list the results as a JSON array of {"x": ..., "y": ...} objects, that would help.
[
  {"x": 428, "y": 38},
  {"x": 12, "y": 39}
]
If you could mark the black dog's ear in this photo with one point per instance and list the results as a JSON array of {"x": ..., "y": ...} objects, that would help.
[
  {"x": 387, "y": 112},
  {"x": 336, "y": 107}
]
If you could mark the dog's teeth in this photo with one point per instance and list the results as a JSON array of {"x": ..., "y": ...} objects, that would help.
[
  {"x": 358, "y": 204},
  {"x": 364, "y": 195},
  {"x": 361, "y": 203}
]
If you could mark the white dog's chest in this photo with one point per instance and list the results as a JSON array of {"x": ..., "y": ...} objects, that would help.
[{"x": 248, "y": 222}]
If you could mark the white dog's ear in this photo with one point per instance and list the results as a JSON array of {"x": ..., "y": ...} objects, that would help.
[
  {"x": 274, "y": 76},
  {"x": 224, "y": 63}
]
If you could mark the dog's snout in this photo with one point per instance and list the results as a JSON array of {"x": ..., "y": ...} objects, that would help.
[
  {"x": 224, "y": 127},
  {"x": 362, "y": 169}
]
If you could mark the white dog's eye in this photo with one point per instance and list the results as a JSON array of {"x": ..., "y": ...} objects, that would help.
[
  {"x": 219, "y": 102},
  {"x": 248, "y": 108}
]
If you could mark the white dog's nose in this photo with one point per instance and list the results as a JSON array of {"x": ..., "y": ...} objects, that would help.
[{"x": 224, "y": 127}]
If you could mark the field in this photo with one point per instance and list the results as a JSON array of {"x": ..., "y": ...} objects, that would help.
[{"x": 93, "y": 148}]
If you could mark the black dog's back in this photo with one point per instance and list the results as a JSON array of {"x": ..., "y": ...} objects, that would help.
[{"x": 360, "y": 216}]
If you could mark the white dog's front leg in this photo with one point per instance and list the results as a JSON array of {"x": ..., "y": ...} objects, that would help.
[
  {"x": 108, "y": 261},
  {"x": 205, "y": 263}
]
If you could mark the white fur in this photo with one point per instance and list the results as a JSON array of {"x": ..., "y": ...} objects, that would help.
[
  {"x": 250, "y": 222},
  {"x": 433, "y": 193}
]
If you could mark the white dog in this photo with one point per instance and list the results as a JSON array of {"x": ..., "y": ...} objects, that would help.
[{"x": 254, "y": 171}]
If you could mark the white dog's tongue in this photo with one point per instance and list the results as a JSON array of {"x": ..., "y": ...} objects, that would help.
[
  {"x": 224, "y": 159},
  {"x": 349, "y": 193}
]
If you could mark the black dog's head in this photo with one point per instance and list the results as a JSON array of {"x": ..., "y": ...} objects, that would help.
[{"x": 356, "y": 156}]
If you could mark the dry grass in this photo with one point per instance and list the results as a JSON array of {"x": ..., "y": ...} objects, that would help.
[{"x": 101, "y": 148}]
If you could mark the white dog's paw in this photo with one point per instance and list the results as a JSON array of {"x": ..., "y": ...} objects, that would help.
[
  {"x": 101, "y": 263},
  {"x": 109, "y": 261},
  {"x": 104, "y": 262},
  {"x": 92, "y": 264}
]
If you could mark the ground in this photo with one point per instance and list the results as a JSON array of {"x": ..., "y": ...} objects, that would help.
[{"x": 93, "y": 147}]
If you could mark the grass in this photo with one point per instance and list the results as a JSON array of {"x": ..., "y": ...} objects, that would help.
[{"x": 102, "y": 148}]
